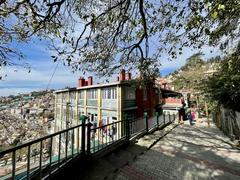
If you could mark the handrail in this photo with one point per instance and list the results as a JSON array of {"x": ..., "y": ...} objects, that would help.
[
  {"x": 103, "y": 126},
  {"x": 95, "y": 139},
  {"x": 2, "y": 153}
]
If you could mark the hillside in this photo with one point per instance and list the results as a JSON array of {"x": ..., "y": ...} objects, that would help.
[
  {"x": 188, "y": 77},
  {"x": 25, "y": 117}
]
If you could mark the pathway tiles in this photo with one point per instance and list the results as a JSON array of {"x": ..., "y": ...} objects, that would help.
[
  {"x": 109, "y": 166},
  {"x": 187, "y": 152}
]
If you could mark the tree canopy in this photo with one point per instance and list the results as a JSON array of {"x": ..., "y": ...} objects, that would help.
[
  {"x": 194, "y": 61},
  {"x": 189, "y": 75},
  {"x": 104, "y": 35},
  {"x": 223, "y": 87}
]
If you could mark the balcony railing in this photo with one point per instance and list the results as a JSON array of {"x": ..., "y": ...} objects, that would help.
[{"x": 44, "y": 156}]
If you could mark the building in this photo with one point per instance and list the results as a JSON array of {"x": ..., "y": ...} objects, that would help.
[
  {"x": 107, "y": 103},
  {"x": 171, "y": 101}
]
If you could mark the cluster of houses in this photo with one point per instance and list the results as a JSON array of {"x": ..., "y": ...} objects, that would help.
[
  {"x": 35, "y": 105},
  {"x": 25, "y": 117}
]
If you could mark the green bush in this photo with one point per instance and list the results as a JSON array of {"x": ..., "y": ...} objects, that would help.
[{"x": 224, "y": 86}]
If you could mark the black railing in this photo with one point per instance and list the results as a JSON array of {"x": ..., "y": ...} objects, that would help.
[
  {"x": 42, "y": 155},
  {"x": 45, "y": 155},
  {"x": 102, "y": 137}
]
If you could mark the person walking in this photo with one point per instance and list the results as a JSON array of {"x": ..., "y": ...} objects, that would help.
[
  {"x": 193, "y": 113},
  {"x": 189, "y": 117},
  {"x": 182, "y": 114}
]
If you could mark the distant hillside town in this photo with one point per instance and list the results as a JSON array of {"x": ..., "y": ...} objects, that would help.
[{"x": 25, "y": 117}]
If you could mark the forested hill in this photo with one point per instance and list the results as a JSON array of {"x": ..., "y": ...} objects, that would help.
[{"x": 190, "y": 75}]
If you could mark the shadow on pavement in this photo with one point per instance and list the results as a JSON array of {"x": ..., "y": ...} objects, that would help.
[{"x": 187, "y": 152}]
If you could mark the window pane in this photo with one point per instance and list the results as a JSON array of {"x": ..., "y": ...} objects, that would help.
[
  {"x": 92, "y": 94},
  {"x": 144, "y": 94},
  {"x": 103, "y": 93},
  {"x": 115, "y": 93},
  {"x": 81, "y": 95},
  {"x": 129, "y": 93},
  {"x": 109, "y": 93}
]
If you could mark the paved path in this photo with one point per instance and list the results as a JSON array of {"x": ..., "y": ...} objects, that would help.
[{"x": 187, "y": 152}]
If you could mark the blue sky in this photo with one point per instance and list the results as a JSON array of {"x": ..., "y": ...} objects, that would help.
[{"x": 38, "y": 56}]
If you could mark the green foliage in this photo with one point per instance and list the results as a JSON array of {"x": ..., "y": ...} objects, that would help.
[
  {"x": 216, "y": 59},
  {"x": 189, "y": 75},
  {"x": 194, "y": 61},
  {"x": 102, "y": 36},
  {"x": 224, "y": 86}
]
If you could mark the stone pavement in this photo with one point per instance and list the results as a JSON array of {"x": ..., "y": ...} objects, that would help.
[
  {"x": 109, "y": 166},
  {"x": 187, "y": 152}
]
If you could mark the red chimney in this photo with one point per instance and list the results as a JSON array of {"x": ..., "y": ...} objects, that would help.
[
  {"x": 118, "y": 78},
  {"x": 81, "y": 82},
  {"x": 90, "y": 80},
  {"x": 122, "y": 75},
  {"x": 164, "y": 86},
  {"x": 86, "y": 83},
  {"x": 128, "y": 76}
]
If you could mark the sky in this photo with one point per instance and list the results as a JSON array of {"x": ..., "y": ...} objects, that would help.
[{"x": 38, "y": 55}]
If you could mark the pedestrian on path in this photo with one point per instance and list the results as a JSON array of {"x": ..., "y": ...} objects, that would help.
[
  {"x": 189, "y": 116},
  {"x": 182, "y": 113},
  {"x": 193, "y": 113}
]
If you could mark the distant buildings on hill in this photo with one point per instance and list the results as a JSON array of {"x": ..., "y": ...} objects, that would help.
[{"x": 25, "y": 117}]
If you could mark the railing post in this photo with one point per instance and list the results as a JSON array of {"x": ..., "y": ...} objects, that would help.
[
  {"x": 72, "y": 142},
  {"x": 66, "y": 145},
  {"x": 83, "y": 119},
  {"x": 13, "y": 164},
  {"x": 40, "y": 160},
  {"x": 146, "y": 120},
  {"x": 157, "y": 118},
  {"x": 127, "y": 127},
  {"x": 28, "y": 160},
  {"x": 169, "y": 116},
  {"x": 89, "y": 138},
  {"x": 50, "y": 155},
  {"x": 164, "y": 118},
  {"x": 59, "y": 149}
]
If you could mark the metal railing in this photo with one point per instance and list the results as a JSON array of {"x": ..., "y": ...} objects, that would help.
[
  {"x": 42, "y": 155},
  {"x": 104, "y": 136},
  {"x": 45, "y": 155}
]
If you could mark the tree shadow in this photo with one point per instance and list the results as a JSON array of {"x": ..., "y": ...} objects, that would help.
[{"x": 187, "y": 152}]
